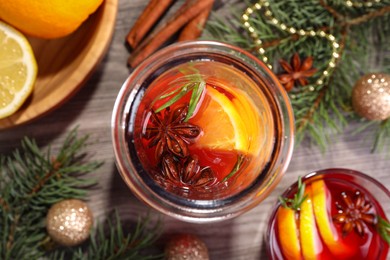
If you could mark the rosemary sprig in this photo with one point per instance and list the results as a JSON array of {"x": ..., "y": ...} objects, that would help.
[
  {"x": 297, "y": 200},
  {"x": 383, "y": 228},
  {"x": 237, "y": 166},
  {"x": 190, "y": 82}
]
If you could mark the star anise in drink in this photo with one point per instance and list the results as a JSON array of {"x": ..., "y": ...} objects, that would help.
[
  {"x": 354, "y": 214},
  {"x": 169, "y": 133},
  {"x": 295, "y": 72},
  {"x": 186, "y": 173}
]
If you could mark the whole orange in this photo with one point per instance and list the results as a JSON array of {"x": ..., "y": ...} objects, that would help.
[{"x": 47, "y": 18}]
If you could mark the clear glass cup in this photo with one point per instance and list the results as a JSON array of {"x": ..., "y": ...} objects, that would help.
[
  {"x": 325, "y": 227},
  {"x": 269, "y": 143}
]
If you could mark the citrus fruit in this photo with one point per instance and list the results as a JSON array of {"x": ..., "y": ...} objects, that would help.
[
  {"x": 288, "y": 233},
  {"x": 310, "y": 240},
  {"x": 320, "y": 196},
  {"x": 47, "y": 18},
  {"x": 222, "y": 125},
  {"x": 18, "y": 70}
]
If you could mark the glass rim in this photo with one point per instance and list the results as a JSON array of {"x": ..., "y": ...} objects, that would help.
[
  {"x": 313, "y": 176},
  {"x": 347, "y": 172},
  {"x": 123, "y": 105}
]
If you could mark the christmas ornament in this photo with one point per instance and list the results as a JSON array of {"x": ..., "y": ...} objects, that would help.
[
  {"x": 186, "y": 246},
  {"x": 69, "y": 222},
  {"x": 371, "y": 96}
]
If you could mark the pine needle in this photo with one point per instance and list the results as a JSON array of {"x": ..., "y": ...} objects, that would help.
[{"x": 30, "y": 182}]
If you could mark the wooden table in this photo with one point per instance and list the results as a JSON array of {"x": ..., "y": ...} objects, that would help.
[{"x": 91, "y": 108}]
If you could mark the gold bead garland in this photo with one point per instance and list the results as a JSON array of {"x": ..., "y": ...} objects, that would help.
[
  {"x": 264, "y": 5},
  {"x": 358, "y": 4}
]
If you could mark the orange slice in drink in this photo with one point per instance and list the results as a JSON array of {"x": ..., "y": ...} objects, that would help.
[
  {"x": 288, "y": 233},
  {"x": 321, "y": 197},
  {"x": 222, "y": 125},
  {"x": 310, "y": 240},
  {"x": 231, "y": 122}
]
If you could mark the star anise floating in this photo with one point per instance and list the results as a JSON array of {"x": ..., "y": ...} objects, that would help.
[
  {"x": 169, "y": 132},
  {"x": 297, "y": 71},
  {"x": 354, "y": 213},
  {"x": 186, "y": 174},
  {"x": 171, "y": 135}
]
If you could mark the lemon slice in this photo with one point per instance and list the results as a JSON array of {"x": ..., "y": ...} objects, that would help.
[{"x": 18, "y": 70}]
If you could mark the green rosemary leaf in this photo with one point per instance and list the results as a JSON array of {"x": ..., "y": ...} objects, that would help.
[
  {"x": 237, "y": 166},
  {"x": 183, "y": 91},
  {"x": 192, "y": 81},
  {"x": 189, "y": 71},
  {"x": 299, "y": 197},
  {"x": 170, "y": 93},
  {"x": 283, "y": 201},
  {"x": 297, "y": 200},
  {"x": 196, "y": 94},
  {"x": 383, "y": 228}
]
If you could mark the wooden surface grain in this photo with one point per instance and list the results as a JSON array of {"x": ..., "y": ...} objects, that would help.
[{"x": 91, "y": 108}]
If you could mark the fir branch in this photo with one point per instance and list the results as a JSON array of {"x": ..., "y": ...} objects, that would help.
[
  {"x": 368, "y": 16},
  {"x": 355, "y": 28},
  {"x": 30, "y": 182},
  {"x": 110, "y": 241},
  {"x": 382, "y": 136},
  {"x": 332, "y": 11}
]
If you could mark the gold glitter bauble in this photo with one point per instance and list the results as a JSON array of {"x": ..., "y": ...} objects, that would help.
[
  {"x": 186, "y": 247},
  {"x": 69, "y": 222},
  {"x": 371, "y": 96}
]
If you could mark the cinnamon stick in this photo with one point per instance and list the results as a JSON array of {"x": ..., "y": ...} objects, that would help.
[
  {"x": 189, "y": 10},
  {"x": 194, "y": 28},
  {"x": 150, "y": 15}
]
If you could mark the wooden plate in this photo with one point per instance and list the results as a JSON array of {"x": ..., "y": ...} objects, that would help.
[{"x": 65, "y": 64}]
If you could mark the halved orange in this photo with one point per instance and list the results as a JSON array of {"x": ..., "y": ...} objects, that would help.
[{"x": 222, "y": 125}]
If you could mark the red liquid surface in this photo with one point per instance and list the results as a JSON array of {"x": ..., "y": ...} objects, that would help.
[
  {"x": 368, "y": 246},
  {"x": 233, "y": 142}
]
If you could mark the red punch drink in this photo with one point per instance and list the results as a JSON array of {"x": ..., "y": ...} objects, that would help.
[
  {"x": 202, "y": 131},
  {"x": 333, "y": 214},
  {"x": 204, "y": 127}
]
